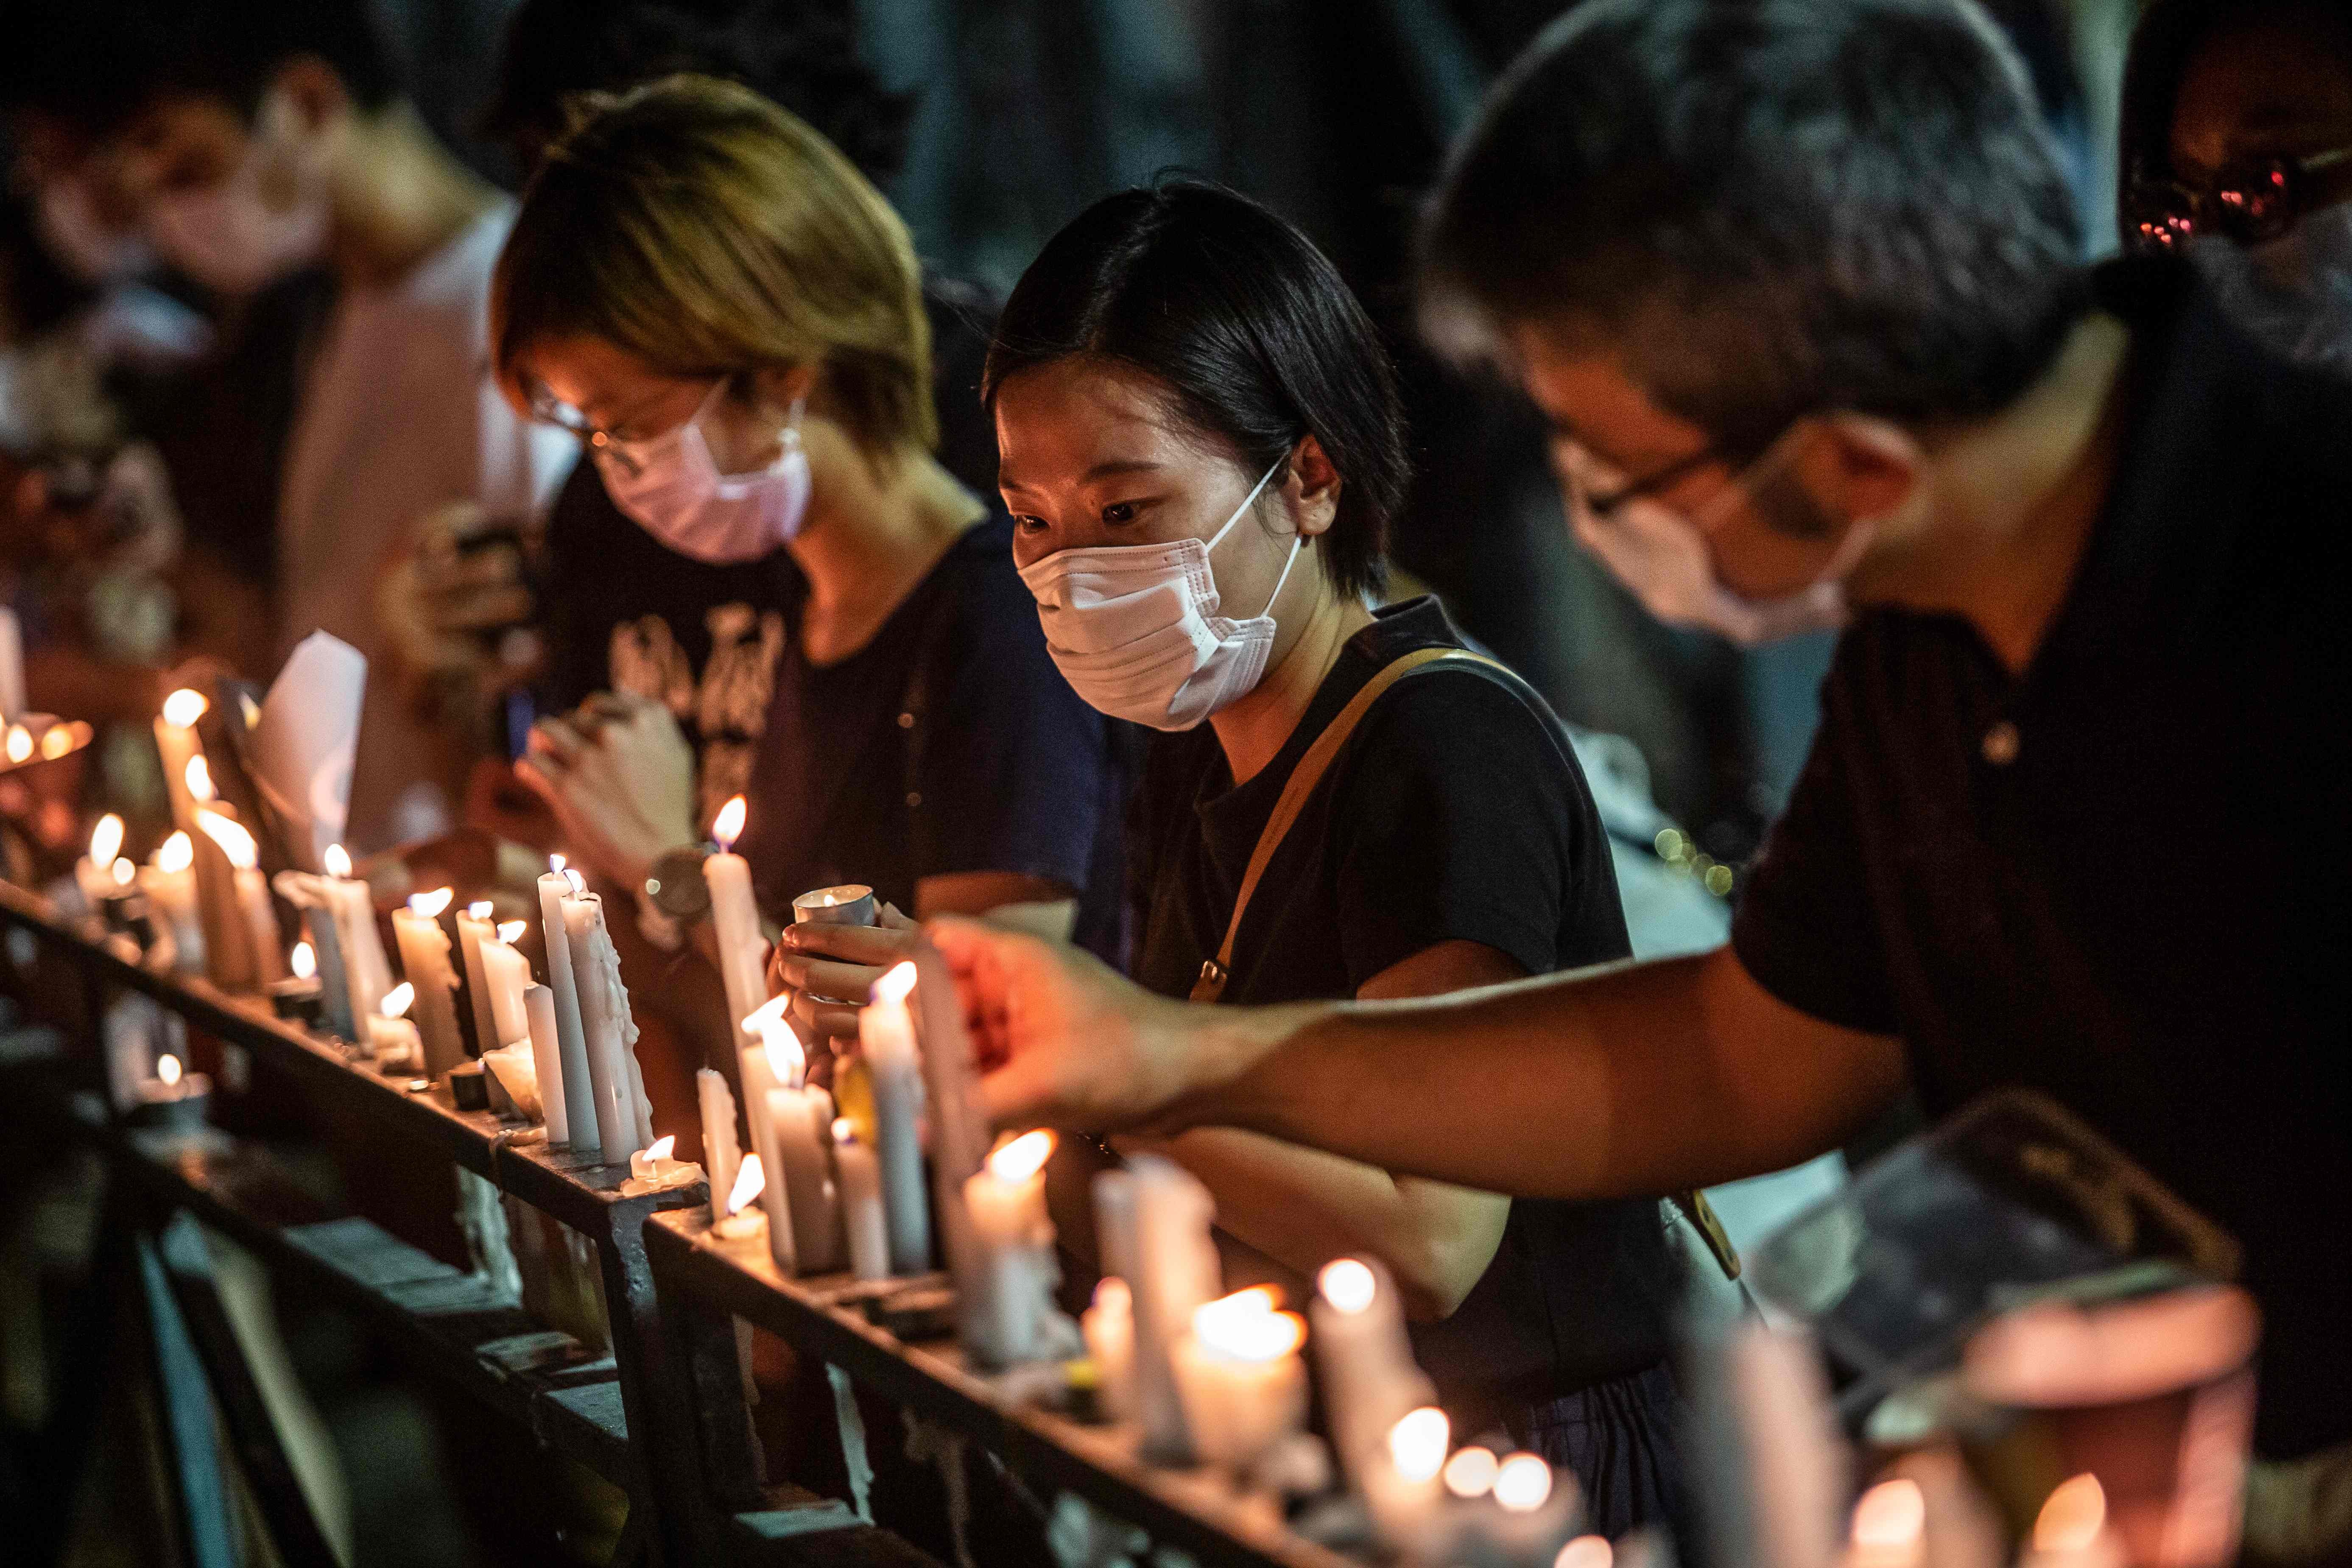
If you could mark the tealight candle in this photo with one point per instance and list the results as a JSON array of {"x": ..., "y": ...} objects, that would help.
[
  {"x": 735, "y": 919},
  {"x": 260, "y": 916},
  {"x": 1240, "y": 1378},
  {"x": 475, "y": 927},
  {"x": 1363, "y": 1357},
  {"x": 848, "y": 905},
  {"x": 653, "y": 1162},
  {"x": 858, "y": 1178},
  {"x": 393, "y": 1036},
  {"x": 717, "y": 1102},
  {"x": 1002, "y": 1307},
  {"x": 425, "y": 957},
  {"x": 885, "y": 1039},
  {"x": 169, "y": 880},
  {"x": 572, "y": 1038},
  {"x": 1110, "y": 1328},
  {"x": 172, "y": 1097}
]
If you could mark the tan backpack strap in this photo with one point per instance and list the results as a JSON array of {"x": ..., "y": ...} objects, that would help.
[{"x": 1301, "y": 786}]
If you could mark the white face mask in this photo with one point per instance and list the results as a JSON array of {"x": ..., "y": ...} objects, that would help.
[
  {"x": 680, "y": 496},
  {"x": 2292, "y": 294},
  {"x": 1135, "y": 630},
  {"x": 1661, "y": 557},
  {"x": 231, "y": 236}
]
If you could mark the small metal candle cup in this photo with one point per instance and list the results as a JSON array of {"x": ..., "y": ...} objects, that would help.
[{"x": 847, "y": 905}]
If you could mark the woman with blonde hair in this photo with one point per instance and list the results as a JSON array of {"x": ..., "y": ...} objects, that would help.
[{"x": 731, "y": 318}]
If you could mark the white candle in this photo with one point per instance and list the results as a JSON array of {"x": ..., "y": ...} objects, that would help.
[
  {"x": 424, "y": 959},
  {"x": 1400, "y": 1482},
  {"x": 1003, "y": 1307},
  {"x": 719, "y": 1151},
  {"x": 1110, "y": 1328},
  {"x": 886, "y": 1039},
  {"x": 580, "y": 1098},
  {"x": 799, "y": 1130},
  {"x": 652, "y": 1164},
  {"x": 475, "y": 927},
  {"x": 252, "y": 905},
  {"x": 365, "y": 969},
  {"x": 94, "y": 872},
  {"x": 324, "y": 942},
  {"x": 605, "y": 1021},
  {"x": 12, "y": 666},
  {"x": 393, "y": 1036},
  {"x": 1154, "y": 1218},
  {"x": 759, "y": 1080},
  {"x": 506, "y": 976},
  {"x": 1364, "y": 1359},
  {"x": 547, "y": 1060},
  {"x": 1239, "y": 1375},
  {"x": 858, "y": 1178},
  {"x": 225, "y": 947},
  {"x": 735, "y": 921},
  {"x": 170, "y": 883}
]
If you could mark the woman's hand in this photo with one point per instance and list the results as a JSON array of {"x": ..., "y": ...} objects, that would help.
[
  {"x": 813, "y": 960},
  {"x": 619, "y": 776}
]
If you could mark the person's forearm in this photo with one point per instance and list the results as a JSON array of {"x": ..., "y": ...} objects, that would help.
[{"x": 1638, "y": 1080}]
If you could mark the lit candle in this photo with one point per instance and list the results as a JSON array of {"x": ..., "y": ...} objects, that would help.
[
  {"x": 1238, "y": 1372},
  {"x": 323, "y": 944},
  {"x": 172, "y": 1097},
  {"x": 170, "y": 883},
  {"x": 858, "y": 1178},
  {"x": 1534, "y": 1516},
  {"x": 224, "y": 946},
  {"x": 652, "y": 1164},
  {"x": 885, "y": 1039},
  {"x": 735, "y": 919},
  {"x": 506, "y": 974},
  {"x": 1110, "y": 1328},
  {"x": 572, "y": 1038},
  {"x": 1363, "y": 1357},
  {"x": 1005, "y": 1303},
  {"x": 475, "y": 927},
  {"x": 260, "y": 916},
  {"x": 94, "y": 872},
  {"x": 547, "y": 1061},
  {"x": 1400, "y": 1484},
  {"x": 366, "y": 970},
  {"x": 424, "y": 959},
  {"x": 719, "y": 1158},
  {"x": 393, "y": 1036},
  {"x": 12, "y": 664},
  {"x": 800, "y": 1132},
  {"x": 610, "y": 1029},
  {"x": 1154, "y": 1218},
  {"x": 739, "y": 1220},
  {"x": 299, "y": 997}
]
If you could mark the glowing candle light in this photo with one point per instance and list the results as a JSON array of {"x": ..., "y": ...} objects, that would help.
[
  {"x": 252, "y": 891},
  {"x": 1523, "y": 1483},
  {"x": 1365, "y": 1359},
  {"x": 799, "y": 1134},
  {"x": 1470, "y": 1472},
  {"x": 106, "y": 840},
  {"x": 183, "y": 708},
  {"x": 1239, "y": 1374},
  {"x": 1417, "y": 1444},
  {"x": 20, "y": 743},
  {"x": 424, "y": 959},
  {"x": 653, "y": 1162},
  {"x": 885, "y": 1039},
  {"x": 735, "y": 918},
  {"x": 124, "y": 873},
  {"x": 57, "y": 741},
  {"x": 169, "y": 880},
  {"x": 94, "y": 872},
  {"x": 393, "y": 1036},
  {"x": 1005, "y": 1307},
  {"x": 1586, "y": 1551},
  {"x": 199, "y": 778},
  {"x": 304, "y": 962},
  {"x": 167, "y": 1069}
]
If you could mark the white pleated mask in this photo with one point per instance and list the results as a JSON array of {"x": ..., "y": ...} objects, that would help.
[{"x": 1134, "y": 629}]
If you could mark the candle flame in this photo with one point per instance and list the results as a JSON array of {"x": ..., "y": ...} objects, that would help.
[
  {"x": 1586, "y": 1551},
  {"x": 750, "y": 1180},
  {"x": 844, "y": 1130},
  {"x": 1522, "y": 1484},
  {"x": 430, "y": 905},
  {"x": 1888, "y": 1522},
  {"x": 768, "y": 1012},
  {"x": 199, "y": 778},
  {"x": 304, "y": 962},
  {"x": 178, "y": 853},
  {"x": 167, "y": 1068},
  {"x": 337, "y": 861},
  {"x": 397, "y": 1001},
  {"x": 555, "y": 864},
  {"x": 895, "y": 984},
  {"x": 1021, "y": 1158},
  {"x": 250, "y": 708},
  {"x": 1348, "y": 1285},
  {"x": 1417, "y": 1443},
  {"x": 787, "y": 1057},
  {"x": 106, "y": 840},
  {"x": 480, "y": 909},
  {"x": 1245, "y": 1325},
  {"x": 57, "y": 741},
  {"x": 234, "y": 841},
  {"x": 579, "y": 883},
  {"x": 729, "y": 824},
  {"x": 510, "y": 930},
  {"x": 20, "y": 742},
  {"x": 659, "y": 1150},
  {"x": 125, "y": 873},
  {"x": 2072, "y": 1516},
  {"x": 185, "y": 707},
  {"x": 1470, "y": 1472}
]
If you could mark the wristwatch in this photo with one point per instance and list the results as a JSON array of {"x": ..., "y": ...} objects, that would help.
[{"x": 677, "y": 887}]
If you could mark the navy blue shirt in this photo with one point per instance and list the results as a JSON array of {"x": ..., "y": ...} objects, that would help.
[{"x": 947, "y": 743}]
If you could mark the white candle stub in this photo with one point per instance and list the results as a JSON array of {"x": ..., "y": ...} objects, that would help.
[
  {"x": 740, "y": 1221},
  {"x": 1239, "y": 1378},
  {"x": 653, "y": 1162}
]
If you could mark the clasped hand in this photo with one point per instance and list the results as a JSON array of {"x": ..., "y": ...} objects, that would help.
[{"x": 619, "y": 776}]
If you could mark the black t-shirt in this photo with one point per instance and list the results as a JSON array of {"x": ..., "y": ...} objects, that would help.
[
  {"x": 947, "y": 743},
  {"x": 1457, "y": 812},
  {"x": 2122, "y": 879},
  {"x": 620, "y": 611}
]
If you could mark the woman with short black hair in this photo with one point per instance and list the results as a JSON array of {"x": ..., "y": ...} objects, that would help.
[{"x": 1201, "y": 450}]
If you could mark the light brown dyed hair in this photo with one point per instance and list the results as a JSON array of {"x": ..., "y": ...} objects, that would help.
[{"x": 696, "y": 226}]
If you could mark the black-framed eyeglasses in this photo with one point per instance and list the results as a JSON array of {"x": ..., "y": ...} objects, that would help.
[
  {"x": 2248, "y": 200},
  {"x": 1602, "y": 504}
]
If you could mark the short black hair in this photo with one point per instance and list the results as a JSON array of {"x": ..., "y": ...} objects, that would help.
[
  {"x": 801, "y": 53},
  {"x": 1770, "y": 207},
  {"x": 96, "y": 65},
  {"x": 1249, "y": 326}
]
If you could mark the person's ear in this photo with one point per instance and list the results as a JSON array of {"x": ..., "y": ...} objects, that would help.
[
  {"x": 1859, "y": 468},
  {"x": 311, "y": 91},
  {"x": 1312, "y": 488}
]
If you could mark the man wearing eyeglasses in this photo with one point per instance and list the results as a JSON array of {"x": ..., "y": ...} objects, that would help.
[{"x": 1796, "y": 278}]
